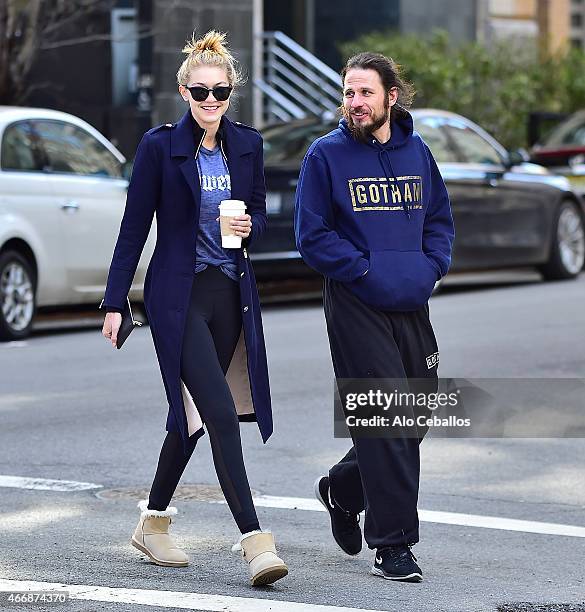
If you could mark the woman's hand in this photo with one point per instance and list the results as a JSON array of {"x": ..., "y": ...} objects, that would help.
[
  {"x": 111, "y": 326},
  {"x": 241, "y": 225}
]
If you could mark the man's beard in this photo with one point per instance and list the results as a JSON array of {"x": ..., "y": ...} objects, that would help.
[{"x": 364, "y": 133}]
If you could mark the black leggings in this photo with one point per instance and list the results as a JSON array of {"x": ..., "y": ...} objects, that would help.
[{"x": 212, "y": 329}]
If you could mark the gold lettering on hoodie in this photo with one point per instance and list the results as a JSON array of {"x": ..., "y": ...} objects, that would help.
[{"x": 373, "y": 193}]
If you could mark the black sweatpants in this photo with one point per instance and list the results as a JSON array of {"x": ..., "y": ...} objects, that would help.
[
  {"x": 212, "y": 330},
  {"x": 380, "y": 475}
]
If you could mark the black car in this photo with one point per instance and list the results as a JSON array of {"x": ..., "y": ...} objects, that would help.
[{"x": 507, "y": 212}]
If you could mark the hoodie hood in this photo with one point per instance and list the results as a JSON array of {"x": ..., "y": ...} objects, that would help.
[{"x": 401, "y": 130}]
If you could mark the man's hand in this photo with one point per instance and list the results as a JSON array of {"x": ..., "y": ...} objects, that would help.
[{"x": 111, "y": 326}]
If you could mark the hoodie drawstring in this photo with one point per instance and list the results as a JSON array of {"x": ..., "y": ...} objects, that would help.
[{"x": 380, "y": 153}]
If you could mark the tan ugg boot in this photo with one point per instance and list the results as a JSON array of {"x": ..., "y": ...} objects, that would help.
[
  {"x": 152, "y": 537},
  {"x": 258, "y": 549}
]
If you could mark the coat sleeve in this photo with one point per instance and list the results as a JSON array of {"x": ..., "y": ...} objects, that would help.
[
  {"x": 438, "y": 228},
  {"x": 319, "y": 244},
  {"x": 257, "y": 205},
  {"x": 141, "y": 202}
]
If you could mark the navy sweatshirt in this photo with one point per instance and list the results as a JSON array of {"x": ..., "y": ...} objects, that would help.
[{"x": 375, "y": 216}]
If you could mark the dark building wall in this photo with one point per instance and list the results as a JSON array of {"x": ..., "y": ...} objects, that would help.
[
  {"x": 76, "y": 78},
  {"x": 458, "y": 17},
  {"x": 339, "y": 21},
  {"x": 291, "y": 18},
  {"x": 321, "y": 25},
  {"x": 173, "y": 26}
]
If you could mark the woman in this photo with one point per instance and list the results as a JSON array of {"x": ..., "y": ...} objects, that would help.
[{"x": 201, "y": 299}]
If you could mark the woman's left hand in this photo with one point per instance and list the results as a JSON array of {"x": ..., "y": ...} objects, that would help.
[{"x": 241, "y": 225}]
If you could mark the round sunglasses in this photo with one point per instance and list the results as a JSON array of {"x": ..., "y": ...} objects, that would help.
[{"x": 200, "y": 93}]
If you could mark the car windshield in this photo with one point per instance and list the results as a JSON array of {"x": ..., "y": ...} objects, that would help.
[
  {"x": 283, "y": 143},
  {"x": 570, "y": 132}
]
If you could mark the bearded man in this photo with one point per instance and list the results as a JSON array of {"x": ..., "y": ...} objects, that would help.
[{"x": 372, "y": 215}]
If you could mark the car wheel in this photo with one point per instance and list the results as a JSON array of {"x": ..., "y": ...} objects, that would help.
[
  {"x": 17, "y": 296},
  {"x": 567, "y": 253}
]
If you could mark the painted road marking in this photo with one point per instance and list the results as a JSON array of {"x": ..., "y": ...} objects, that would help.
[
  {"x": 311, "y": 504},
  {"x": 45, "y": 484},
  {"x": 170, "y": 599},
  {"x": 434, "y": 516}
]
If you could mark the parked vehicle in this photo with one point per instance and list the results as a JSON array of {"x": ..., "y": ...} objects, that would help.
[
  {"x": 507, "y": 212},
  {"x": 62, "y": 197},
  {"x": 564, "y": 143},
  {"x": 563, "y": 151}
]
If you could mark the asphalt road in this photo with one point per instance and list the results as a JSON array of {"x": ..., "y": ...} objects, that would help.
[{"x": 72, "y": 408}]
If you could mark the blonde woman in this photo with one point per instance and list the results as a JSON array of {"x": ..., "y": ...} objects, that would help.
[{"x": 201, "y": 299}]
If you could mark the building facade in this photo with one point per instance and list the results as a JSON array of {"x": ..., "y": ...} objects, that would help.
[{"x": 125, "y": 82}]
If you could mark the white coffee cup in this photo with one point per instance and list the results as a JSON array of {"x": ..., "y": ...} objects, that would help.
[{"x": 227, "y": 210}]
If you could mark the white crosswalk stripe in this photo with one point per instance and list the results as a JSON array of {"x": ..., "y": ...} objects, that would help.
[
  {"x": 311, "y": 504},
  {"x": 45, "y": 484},
  {"x": 436, "y": 516},
  {"x": 169, "y": 599}
]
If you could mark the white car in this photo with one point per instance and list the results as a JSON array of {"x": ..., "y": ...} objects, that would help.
[{"x": 62, "y": 197}]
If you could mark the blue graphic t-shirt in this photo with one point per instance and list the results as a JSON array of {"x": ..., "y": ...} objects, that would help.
[{"x": 215, "y": 187}]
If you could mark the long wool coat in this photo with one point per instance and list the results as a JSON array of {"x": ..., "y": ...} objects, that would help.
[{"x": 165, "y": 182}]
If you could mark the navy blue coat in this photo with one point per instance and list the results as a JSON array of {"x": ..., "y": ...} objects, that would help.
[{"x": 165, "y": 182}]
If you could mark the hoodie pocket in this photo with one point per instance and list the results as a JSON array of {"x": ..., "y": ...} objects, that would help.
[{"x": 396, "y": 280}]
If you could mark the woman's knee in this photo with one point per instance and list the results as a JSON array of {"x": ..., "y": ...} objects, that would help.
[{"x": 223, "y": 421}]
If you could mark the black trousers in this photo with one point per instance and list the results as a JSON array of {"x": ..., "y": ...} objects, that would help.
[
  {"x": 379, "y": 475},
  {"x": 212, "y": 330}
]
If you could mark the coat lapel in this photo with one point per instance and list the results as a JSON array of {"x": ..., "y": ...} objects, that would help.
[
  {"x": 238, "y": 151},
  {"x": 185, "y": 140}
]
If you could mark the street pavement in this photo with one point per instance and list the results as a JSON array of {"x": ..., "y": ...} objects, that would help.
[{"x": 74, "y": 409}]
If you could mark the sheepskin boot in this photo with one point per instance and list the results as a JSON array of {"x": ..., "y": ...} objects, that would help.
[
  {"x": 152, "y": 537},
  {"x": 258, "y": 549}
]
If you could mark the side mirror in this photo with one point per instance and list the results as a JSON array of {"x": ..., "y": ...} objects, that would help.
[{"x": 517, "y": 157}]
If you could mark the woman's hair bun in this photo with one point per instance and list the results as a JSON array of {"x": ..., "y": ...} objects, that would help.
[
  {"x": 213, "y": 42},
  {"x": 210, "y": 50}
]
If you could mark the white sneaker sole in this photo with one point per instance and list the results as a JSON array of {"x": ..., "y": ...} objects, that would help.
[
  {"x": 318, "y": 493},
  {"x": 414, "y": 577},
  {"x": 327, "y": 507},
  {"x": 145, "y": 550}
]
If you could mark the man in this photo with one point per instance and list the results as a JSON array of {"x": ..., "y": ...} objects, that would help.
[{"x": 373, "y": 217}]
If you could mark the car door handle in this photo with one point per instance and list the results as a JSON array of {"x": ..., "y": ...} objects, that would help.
[
  {"x": 72, "y": 205},
  {"x": 493, "y": 182}
]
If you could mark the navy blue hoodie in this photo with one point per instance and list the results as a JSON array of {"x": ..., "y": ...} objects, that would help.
[{"x": 375, "y": 216}]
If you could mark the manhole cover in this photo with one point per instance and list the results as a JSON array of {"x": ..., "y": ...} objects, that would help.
[{"x": 196, "y": 492}]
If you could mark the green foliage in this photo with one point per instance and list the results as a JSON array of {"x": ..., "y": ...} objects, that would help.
[{"x": 497, "y": 87}]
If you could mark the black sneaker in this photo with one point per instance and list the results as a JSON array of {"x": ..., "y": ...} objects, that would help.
[
  {"x": 344, "y": 525},
  {"x": 397, "y": 563}
]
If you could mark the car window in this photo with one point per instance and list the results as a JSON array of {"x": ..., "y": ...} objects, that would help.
[
  {"x": 432, "y": 133},
  {"x": 575, "y": 137},
  {"x": 70, "y": 149},
  {"x": 283, "y": 143},
  {"x": 570, "y": 132},
  {"x": 474, "y": 148},
  {"x": 19, "y": 148}
]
